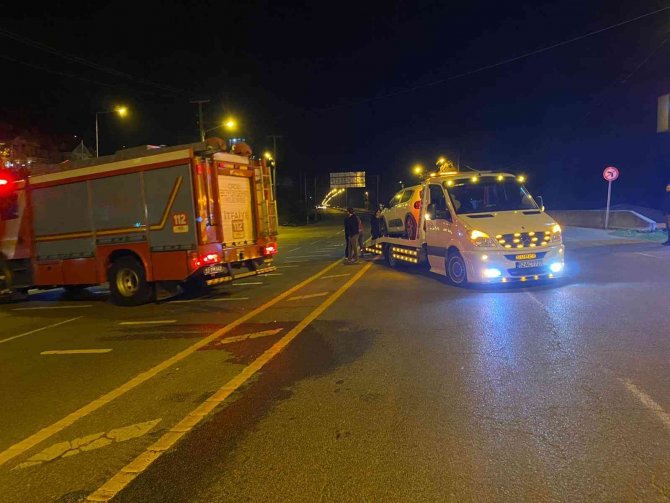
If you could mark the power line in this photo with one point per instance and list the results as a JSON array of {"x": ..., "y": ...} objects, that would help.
[
  {"x": 496, "y": 64},
  {"x": 86, "y": 62}
]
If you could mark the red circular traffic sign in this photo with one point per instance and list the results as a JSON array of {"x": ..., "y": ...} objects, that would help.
[{"x": 611, "y": 173}]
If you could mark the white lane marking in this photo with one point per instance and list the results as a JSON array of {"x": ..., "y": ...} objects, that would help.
[
  {"x": 294, "y": 249},
  {"x": 40, "y": 329},
  {"x": 88, "y": 443},
  {"x": 310, "y": 296},
  {"x": 251, "y": 283},
  {"x": 648, "y": 402},
  {"x": 274, "y": 274},
  {"x": 296, "y": 261},
  {"x": 313, "y": 255},
  {"x": 650, "y": 255},
  {"x": 286, "y": 266},
  {"x": 238, "y": 338},
  {"x": 153, "y": 322},
  {"x": 50, "y": 307},
  {"x": 75, "y": 351},
  {"x": 336, "y": 275},
  {"x": 223, "y": 299}
]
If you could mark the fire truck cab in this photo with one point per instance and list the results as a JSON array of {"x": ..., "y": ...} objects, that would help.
[{"x": 145, "y": 220}]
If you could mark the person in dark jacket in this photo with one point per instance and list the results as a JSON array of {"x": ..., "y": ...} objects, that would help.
[
  {"x": 375, "y": 227},
  {"x": 351, "y": 231},
  {"x": 666, "y": 212}
]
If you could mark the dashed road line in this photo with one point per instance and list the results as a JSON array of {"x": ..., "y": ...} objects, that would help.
[
  {"x": 648, "y": 402},
  {"x": 48, "y": 431},
  {"x": 50, "y": 307},
  {"x": 336, "y": 276},
  {"x": 132, "y": 470},
  {"x": 255, "y": 335},
  {"x": 310, "y": 296},
  {"x": 40, "y": 329},
  {"x": 250, "y": 283},
  {"x": 222, "y": 299},
  {"x": 75, "y": 351}
]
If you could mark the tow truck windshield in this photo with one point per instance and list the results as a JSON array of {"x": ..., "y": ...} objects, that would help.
[{"x": 488, "y": 194}]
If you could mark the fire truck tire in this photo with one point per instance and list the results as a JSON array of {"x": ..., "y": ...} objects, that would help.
[
  {"x": 457, "y": 274},
  {"x": 128, "y": 284},
  {"x": 5, "y": 277}
]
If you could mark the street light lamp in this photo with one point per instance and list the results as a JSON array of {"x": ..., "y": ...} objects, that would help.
[
  {"x": 121, "y": 110},
  {"x": 418, "y": 169},
  {"x": 229, "y": 124}
]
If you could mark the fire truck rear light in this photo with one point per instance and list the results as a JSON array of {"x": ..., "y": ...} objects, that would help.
[
  {"x": 211, "y": 258},
  {"x": 199, "y": 261},
  {"x": 3, "y": 181},
  {"x": 271, "y": 249}
]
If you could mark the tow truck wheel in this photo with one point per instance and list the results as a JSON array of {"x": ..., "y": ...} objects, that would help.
[
  {"x": 410, "y": 227},
  {"x": 128, "y": 284},
  {"x": 457, "y": 274},
  {"x": 390, "y": 259}
]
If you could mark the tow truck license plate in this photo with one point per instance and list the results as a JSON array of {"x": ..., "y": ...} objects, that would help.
[
  {"x": 528, "y": 263},
  {"x": 211, "y": 270}
]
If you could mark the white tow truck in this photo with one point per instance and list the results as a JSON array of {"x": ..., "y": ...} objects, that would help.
[{"x": 479, "y": 227}]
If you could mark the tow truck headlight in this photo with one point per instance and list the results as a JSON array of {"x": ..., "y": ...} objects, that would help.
[
  {"x": 556, "y": 267},
  {"x": 492, "y": 273},
  {"x": 482, "y": 240},
  {"x": 556, "y": 236}
]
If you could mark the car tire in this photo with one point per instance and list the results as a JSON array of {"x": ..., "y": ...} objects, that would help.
[
  {"x": 457, "y": 274},
  {"x": 411, "y": 228},
  {"x": 128, "y": 284}
]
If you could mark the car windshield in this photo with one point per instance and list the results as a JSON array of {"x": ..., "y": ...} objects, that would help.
[{"x": 488, "y": 194}]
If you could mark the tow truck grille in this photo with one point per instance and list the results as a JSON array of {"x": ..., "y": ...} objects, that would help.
[{"x": 520, "y": 240}]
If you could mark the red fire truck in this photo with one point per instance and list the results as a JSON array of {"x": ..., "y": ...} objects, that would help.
[{"x": 145, "y": 220}]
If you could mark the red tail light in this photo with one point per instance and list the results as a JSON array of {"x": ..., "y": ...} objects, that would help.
[
  {"x": 417, "y": 205},
  {"x": 270, "y": 249},
  {"x": 7, "y": 180},
  {"x": 199, "y": 261}
]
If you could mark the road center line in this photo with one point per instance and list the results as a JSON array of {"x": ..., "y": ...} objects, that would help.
[
  {"x": 129, "y": 472},
  {"x": 75, "y": 351},
  {"x": 648, "y": 402},
  {"x": 47, "y": 432},
  {"x": 40, "y": 329}
]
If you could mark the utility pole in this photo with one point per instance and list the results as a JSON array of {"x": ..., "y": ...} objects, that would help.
[{"x": 200, "y": 119}]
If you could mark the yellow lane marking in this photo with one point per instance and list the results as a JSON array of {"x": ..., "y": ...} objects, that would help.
[
  {"x": 154, "y": 322},
  {"x": 310, "y": 296},
  {"x": 222, "y": 299},
  {"x": 88, "y": 443},
  {"x": 75, "y": 351},
  {"x": 238, "y": 338},
  {"x": 40, "y": 329},
  {"x": 40, "y": 436},
  {"x": 129, "y": 472}
]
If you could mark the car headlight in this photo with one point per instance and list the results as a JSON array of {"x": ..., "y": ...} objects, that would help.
[
  {"x": 556, "y": 236},
  {"x": 481, "y": 239}
]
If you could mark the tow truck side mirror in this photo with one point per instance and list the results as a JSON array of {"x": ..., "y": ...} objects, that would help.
[{"x": 539, "y": 198}]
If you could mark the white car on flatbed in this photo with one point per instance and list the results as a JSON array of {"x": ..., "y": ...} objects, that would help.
[{"x": 481, "y": 227}]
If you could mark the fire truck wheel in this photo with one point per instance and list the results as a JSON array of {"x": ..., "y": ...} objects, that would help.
[
  {"x": 128, "y": 284},
  {"x": 5, "y": 278},
  {"x": 457, "y": 274}
]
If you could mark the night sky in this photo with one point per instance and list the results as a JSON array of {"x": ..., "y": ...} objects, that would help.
[{"x": 362, "y": 85}]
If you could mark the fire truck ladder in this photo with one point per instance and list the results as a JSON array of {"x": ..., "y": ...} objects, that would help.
[{"x": 265, "y": 196}]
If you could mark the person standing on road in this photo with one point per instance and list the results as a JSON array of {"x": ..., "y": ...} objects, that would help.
[
  {"x": 375, "y": 227},
  {"x": 666, "y": 212},
  {"x": 351, "y": 232},
  {"x": 361, "y": 239}
]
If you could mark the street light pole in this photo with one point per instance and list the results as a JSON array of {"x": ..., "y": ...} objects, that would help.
[{"x": 121, "y": 110}]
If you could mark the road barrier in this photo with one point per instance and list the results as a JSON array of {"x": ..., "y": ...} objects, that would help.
[{"x": 595, "y": 219}]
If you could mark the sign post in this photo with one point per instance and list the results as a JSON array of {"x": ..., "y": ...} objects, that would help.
[{"x": 609, "y": 174}]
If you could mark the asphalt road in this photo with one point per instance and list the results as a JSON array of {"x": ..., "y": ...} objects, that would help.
[{"x": 332, "y": 382}]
